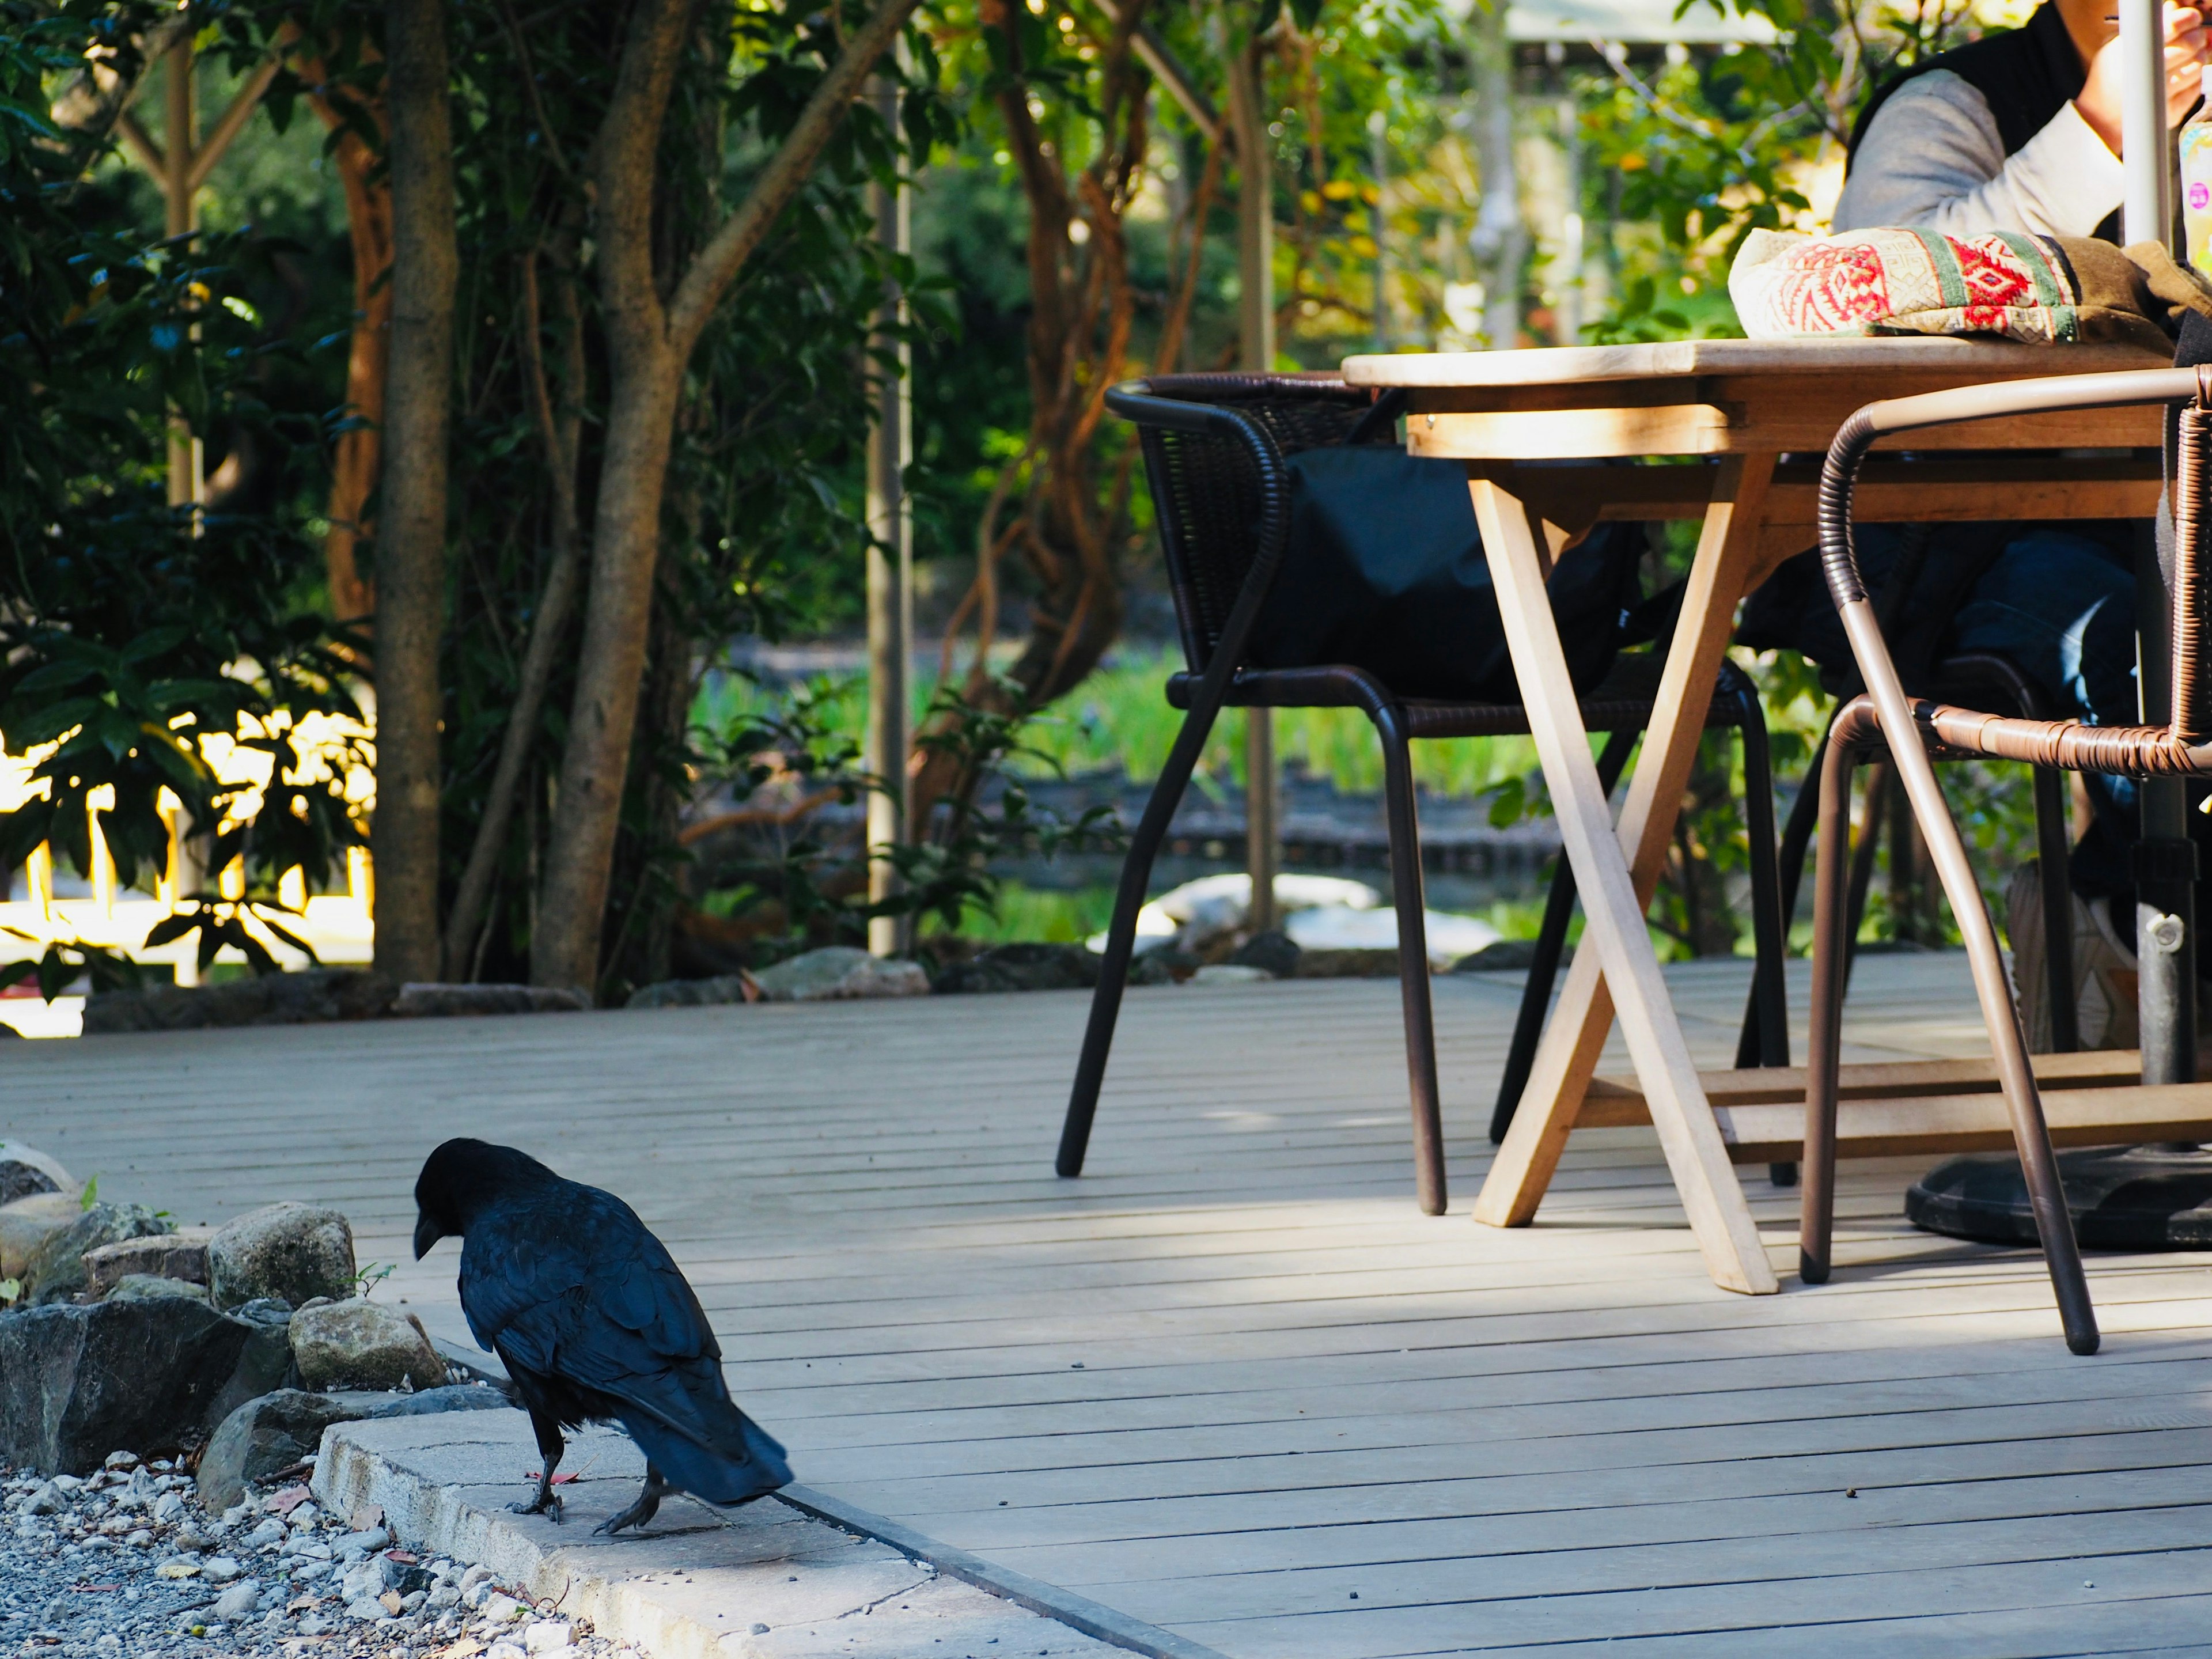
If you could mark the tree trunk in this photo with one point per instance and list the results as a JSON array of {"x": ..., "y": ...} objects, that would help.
[
  {"x": 411, "y": 587},
  {"x": 354, "y": 463},
  {"x": 564, "y": 948},
  {"x": 648, "y": 344}
]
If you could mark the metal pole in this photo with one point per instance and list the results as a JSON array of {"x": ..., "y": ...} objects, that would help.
[
  {"x": 890, "y": 563},
  {"x": 1378, "y": 139},
  {"x": 1256, "y": 250},
  {"x": 2165, "y": 858},
  {"x": 2146, "y": 201}
]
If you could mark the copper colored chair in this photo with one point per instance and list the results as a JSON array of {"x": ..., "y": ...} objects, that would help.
[{"x": 1915, "y": 732}]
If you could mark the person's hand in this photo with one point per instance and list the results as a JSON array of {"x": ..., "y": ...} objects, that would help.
[{"x": 2100, "y": 101}]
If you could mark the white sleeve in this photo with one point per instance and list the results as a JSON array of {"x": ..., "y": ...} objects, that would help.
[{"x": 1933, "y": 158}]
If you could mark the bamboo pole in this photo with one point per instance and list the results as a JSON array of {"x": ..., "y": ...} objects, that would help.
[{"x": 890, "y": 564}]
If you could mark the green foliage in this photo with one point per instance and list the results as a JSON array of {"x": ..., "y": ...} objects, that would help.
[
  {"x": 132, "y": 632},
  {"x": 804, "y": 741},
  {"x": 762, "y": 530}
]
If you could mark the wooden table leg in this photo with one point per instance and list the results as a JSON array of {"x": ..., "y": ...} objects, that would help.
[{"x": 1623, "y": 965}]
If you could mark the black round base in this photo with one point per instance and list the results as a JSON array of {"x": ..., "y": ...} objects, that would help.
[{"x": 2123, "y": 1198}]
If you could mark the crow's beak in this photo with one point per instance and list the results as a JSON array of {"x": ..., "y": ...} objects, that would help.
[{"x": 427, "y": 1233}]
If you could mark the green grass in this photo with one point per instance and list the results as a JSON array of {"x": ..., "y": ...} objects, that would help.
[{"x": 1119, "y": 717}]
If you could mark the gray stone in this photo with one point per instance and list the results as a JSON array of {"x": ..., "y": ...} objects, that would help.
[
  {"x": 78, "y": 1381},
  {"x": 25, "y": 1170},
  {"x": 1226, "y": 973},
  {"x": 238, "y": 1601},
  {"x": 179, "y": 1255},
  {"x": 27, "y": 1222},
  {"x": 1274, "y": 951},
  {"x": 1513, "y": 954},
  {"x": 1347, "y": 965},
  {"x": 55, "y": 1270},
  {"x": 264, "y": 1364},
  {"x": 362, "y": 1345},
  {"x": 1021, "y": 967},
  {"x": 322, "y": 994},
  {"x": 288, "y": 1250},
  {"x": 424, "y": 1000},
  {"x": 1165, "y": 965},
  {"x": 839, "y": 973},
  {"x": 142, "y": 1288},
  {"x": 723, "y": 990},
  {"x": 281, "y": 1428}
]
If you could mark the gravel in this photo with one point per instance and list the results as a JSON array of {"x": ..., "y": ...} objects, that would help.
[{"x": 124, "y": 1563}]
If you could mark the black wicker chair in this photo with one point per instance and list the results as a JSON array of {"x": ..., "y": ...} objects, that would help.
[{"x": 1213, "y": 446}]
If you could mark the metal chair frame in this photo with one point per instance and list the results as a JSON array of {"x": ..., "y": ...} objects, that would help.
[
  {"x": 1915, "y": 731},
  {"x": 1233, "y": 430}
]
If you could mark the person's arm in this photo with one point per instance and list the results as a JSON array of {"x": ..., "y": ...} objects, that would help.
[{"x": 1933, "y": 158}]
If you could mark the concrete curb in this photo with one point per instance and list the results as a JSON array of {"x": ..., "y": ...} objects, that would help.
[
  {"x": 1079, "y": 1612},
  {"x": 769, "y": 1581}
]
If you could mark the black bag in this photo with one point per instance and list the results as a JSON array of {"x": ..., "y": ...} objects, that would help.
[{"x": 1384, "y": 571}]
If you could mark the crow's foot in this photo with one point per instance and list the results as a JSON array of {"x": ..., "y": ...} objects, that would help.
[
  {"x": 548, "y": 1502},
  {"x": 647, "y": 1506}
]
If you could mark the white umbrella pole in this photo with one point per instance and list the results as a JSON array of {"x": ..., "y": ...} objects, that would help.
[
  {"x": 2166, "y": 921},
  {"x": 2147, "y": 208}
]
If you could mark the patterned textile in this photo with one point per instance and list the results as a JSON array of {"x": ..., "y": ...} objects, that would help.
[{"x": 1907, "y": 282}]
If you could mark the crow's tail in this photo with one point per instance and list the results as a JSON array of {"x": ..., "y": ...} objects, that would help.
[{"x": 749, "y": 1464}]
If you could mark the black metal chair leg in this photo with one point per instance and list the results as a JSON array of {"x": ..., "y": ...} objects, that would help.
[
  {"x": 1796, "y": 841},
  {"x": 1770, "y": 944},
  {"x": 1405, "y": 833},
  {"x": 1830, "y": 971},
  {"x": 2052, "y": 850},
  {"x": 1121, "y": 935},
  {"x": 1544, "y": 965}
]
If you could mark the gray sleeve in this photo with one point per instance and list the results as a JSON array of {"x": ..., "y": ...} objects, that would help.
[{"x": 1933, "y": 158}]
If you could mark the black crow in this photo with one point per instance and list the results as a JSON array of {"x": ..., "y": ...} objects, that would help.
[{"x": 595, "y": 1323}]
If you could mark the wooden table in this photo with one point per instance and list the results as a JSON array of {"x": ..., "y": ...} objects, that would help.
[{"x": 1764, "y": 412}]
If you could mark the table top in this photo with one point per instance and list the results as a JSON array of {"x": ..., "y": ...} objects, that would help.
[{"x": 1837, "y": 354}]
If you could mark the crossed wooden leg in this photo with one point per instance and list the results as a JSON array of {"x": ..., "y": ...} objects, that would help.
[{"x": 1617, "y": 872}]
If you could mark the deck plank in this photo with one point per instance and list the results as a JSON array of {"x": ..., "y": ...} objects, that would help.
[{"x": 1232, "y": 1375}]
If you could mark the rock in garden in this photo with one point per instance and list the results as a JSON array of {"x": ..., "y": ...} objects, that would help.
[
  {"x": 263, "y": 1435},
  {"x": 281, "y": 1428},
  {"x": 55, "y": 1268},
  {"x": 722, "y": 989},
  {"x": 1021, "y": 967},
  {"x": 139, "y": 1287},
  {"x": 1225, "y": 973},
  {"x": 1347, "y": 965},
  {"x": 839, "y": 972},
  {"x": 322, "y": 994},
  {"x": 265, "y": 1363},
  {"x": 77, "y": 1381},
  {"x": 25, "y": 1170},
  {"x": 290, "y": 1251},
  {"x": 362, "y": 1345},
  {"x": 238, "y": 1601},
  {"x": 27, "y": 1223},
  {"x": 1273, "y": 952},
  {"x": 1516, "y": 954},
  {"x": 1165, "y": 965},
  {"x": 431, "y": 1001},
  {"x": 181, "y": 1255}
]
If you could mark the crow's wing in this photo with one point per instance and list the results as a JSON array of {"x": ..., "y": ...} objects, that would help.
[{"x": 568, "y": 1283}]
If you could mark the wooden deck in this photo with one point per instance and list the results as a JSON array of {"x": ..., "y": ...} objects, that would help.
[{"x": 1231, "y": 1382}]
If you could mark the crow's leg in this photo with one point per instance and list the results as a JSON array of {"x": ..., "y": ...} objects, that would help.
[
  {"x": 550, "y": 1445},
  {"x": 647, "y": 1504}
]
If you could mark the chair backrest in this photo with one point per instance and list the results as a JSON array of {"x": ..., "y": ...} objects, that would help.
[{"x": 1210, "y": 492}]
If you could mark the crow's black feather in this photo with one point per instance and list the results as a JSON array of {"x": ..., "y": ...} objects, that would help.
[{"x": 593, "y": 1319}]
